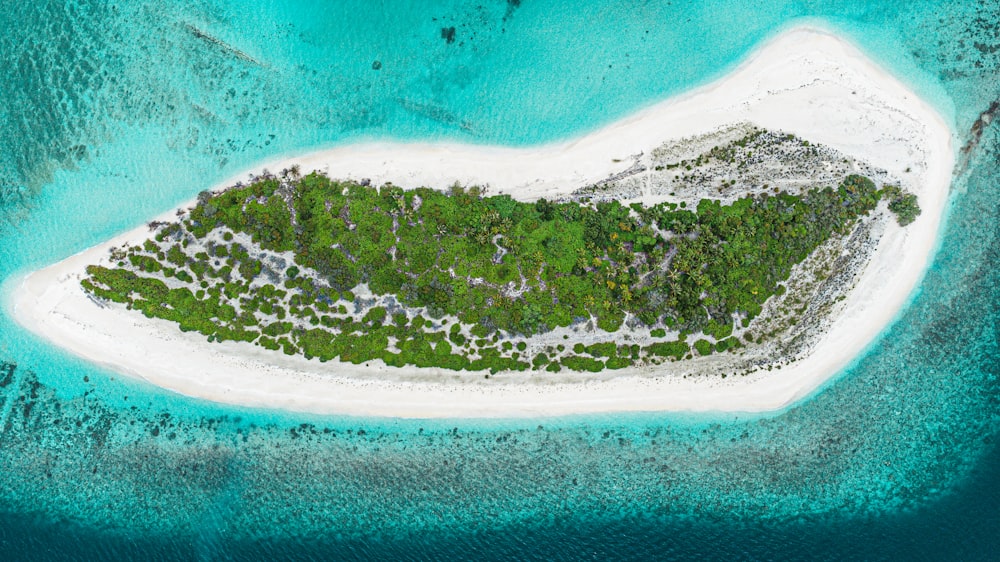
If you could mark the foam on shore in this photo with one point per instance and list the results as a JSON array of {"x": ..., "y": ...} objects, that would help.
[{"x": 804, "y": 81}]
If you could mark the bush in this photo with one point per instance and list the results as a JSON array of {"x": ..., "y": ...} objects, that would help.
[
  {"x": 905, "y": 208},
  {"x": 577, "y": 363},
  {"x": 675, "y": 349},
  {"x": 703, "y": 347},
  {"x": 718, "y": 330}
]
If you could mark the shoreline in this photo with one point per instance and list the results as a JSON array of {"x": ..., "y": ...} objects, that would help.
[{"x": 804, "y": 81}]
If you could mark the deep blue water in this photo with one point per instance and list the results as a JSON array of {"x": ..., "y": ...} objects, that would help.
[{"x": 113, "y": 112}]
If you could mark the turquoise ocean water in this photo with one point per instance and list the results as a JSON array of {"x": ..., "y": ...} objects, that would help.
[{"x": 112, "y": 112}]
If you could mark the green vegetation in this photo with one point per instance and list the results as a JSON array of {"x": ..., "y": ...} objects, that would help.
[
  {"x": 339, "y": 270},
  {"x": 703, "y": 347},
  {"x": 903, "y": 204}
]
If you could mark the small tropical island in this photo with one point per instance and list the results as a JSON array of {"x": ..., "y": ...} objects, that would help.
[
  {"x": 730, "y": 249},
  {"x": 465, "y": 281}
]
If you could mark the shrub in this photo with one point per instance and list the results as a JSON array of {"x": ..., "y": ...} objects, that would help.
[
  {"x": 675, "y": 349},
  {"x": 905, "y": 208},
  {"x": 703, "y": 347}
]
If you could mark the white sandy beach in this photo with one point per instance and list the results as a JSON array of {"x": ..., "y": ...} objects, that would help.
[{"x": 805, "y": 81}]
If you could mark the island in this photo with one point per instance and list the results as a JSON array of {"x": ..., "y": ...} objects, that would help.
[
  {"x": 731, "y": 250},
  {"x": 341, "y": 270}
]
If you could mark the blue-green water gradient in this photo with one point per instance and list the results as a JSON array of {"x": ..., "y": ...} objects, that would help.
[{"x": 114, "y": 112}]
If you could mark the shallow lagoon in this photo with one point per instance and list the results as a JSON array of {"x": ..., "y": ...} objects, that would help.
[{"x": 897, "y": 453}]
